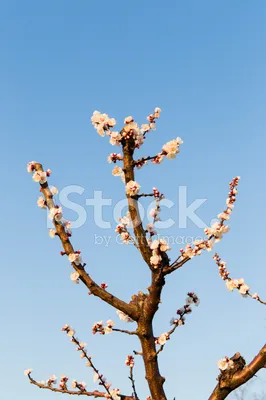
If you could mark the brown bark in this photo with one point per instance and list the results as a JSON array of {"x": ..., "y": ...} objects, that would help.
[
  {"x": 150, "y": 358},
  {"x": 228, "y": 381},
  {"x": 140, "y": 234}
]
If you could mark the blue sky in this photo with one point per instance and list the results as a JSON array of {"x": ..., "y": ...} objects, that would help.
[{"x": 203, "y": 63}]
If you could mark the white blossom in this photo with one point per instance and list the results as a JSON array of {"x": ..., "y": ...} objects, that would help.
[
  {"x": 52, "y": 233},
  {"x": 172, "y": 148},
  {"x": 162, "y": 338},
  {"x": 115, "y": 138},
  {"x": 74, "y": 276},
  {"x": 117, "y": 171},
  {"x": 54, "y": 190},
  {"x": 123, "y": 316},
  {"x": 31, "y": 166},
  {"x": 40, "y": 177},
  {"x": 225, "y": 364},
  {"x": 56, "y": 213},
  {"x": 28, "y": 371},
  {"x": 41, "y": 202},
  {"x": 132, "y": 188},
  {"x": 75, "y": 258}
]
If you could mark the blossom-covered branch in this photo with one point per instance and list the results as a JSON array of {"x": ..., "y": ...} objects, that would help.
[
  {"x": 62, "y": 231},
  {"x": 179, "y": 321},
  {"x": 41, "y": 385},
  {"x": 238, "y": 284},
  {"x": 235, "y": 372},
  {"x": 214, "y": 233},
  {"x": 81, "y": 347},
  {"x": 78, "y": 392},
  {"x": 80, "y": 387},
  {"x": 99, "y": 327}
]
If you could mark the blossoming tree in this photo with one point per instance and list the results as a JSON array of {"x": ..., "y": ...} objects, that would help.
[{"x": 142, "y": 308}]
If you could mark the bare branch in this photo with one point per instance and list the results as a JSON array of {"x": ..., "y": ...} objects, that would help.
[
  {"x": 124, "y": 331},
  {"x": 131, "y": 377}
]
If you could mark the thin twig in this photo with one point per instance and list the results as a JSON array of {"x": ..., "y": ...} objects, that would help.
[
  {"x": 131, "y": 377},
  {"x": 124, "y": 331}
]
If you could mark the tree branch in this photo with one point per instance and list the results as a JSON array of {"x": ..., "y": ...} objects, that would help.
[
  {"x": 124, "y": 331},
  {"x": 94, "y": 394},
  {"x": 140, "y": 234},
  {"x": 231, "y": 379},
  {"x": 96, "y": 290},
  {"x": 131, "y": 377}
]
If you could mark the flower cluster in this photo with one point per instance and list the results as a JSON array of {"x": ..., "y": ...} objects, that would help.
[
  {"x": 158, "y": 247},
  {"x": 196, "y": 248},
  {"x": 217, "y": 230},
  {"x": 79, "y": 385},
  {"x": 192, "y": 299},
  {"x": 38, "y": 176},
  {"x": 130, "y": 361},
  {"x": 171, "y": 149},
  {"x": 63, "y": 382},
  {"x": 121, "y": 229},
  {"x": 70, "y": 331},
  {"x": 161, "y": 340},
  {"x": 225, "y": 364},
  {"x": 131, "y": 130},
  {"x": 51, "y": 381},
  {"x": 99, "y": 327},
  {"x": 114, "y": 157},
  {"x": 31, "y": 166},
  {"x": 132, "y": 188},
  {"x": 151, "y": 118},
  {"x": 75, "y": 258},
  {"x": 232, "y": 284},
  {"x": 102, "y": 123}
]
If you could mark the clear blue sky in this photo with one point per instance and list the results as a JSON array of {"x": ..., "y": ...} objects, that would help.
[{"x": 203, "y": 63}]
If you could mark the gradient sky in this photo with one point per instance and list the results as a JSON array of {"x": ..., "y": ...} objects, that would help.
[{"x": 203, "y": 63}]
